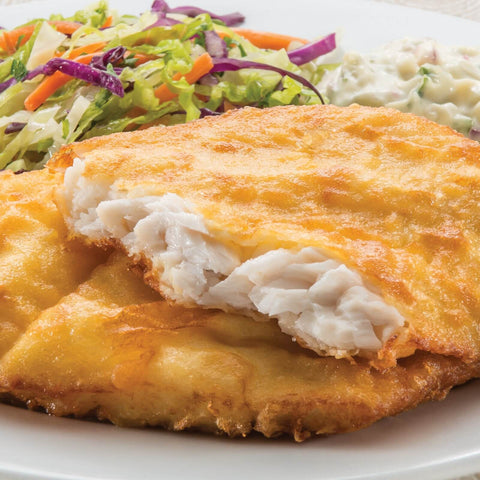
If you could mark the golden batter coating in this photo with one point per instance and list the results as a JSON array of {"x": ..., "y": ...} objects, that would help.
[
  {"x": 38, "y": 265},
  {"x": 393, "y": 196},
  {"x": 114, "y": 351}
]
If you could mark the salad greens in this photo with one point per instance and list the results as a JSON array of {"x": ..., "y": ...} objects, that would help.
[{"x": 98, "y": 72}]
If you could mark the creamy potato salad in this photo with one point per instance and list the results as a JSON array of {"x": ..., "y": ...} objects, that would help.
[{"x": 418, "y": 76}]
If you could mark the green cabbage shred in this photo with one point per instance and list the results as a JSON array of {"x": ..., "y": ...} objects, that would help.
[{"x": 170, "y": 50}]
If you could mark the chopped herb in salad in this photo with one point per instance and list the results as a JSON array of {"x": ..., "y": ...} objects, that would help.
[{"x": 98, "y": 72}]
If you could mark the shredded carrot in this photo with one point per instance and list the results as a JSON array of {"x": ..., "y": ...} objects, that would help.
[
  {"x": 108, "y": 22},
  {"x": 202, "y": 65},
  {"x": 272, "y": 41},
  {"x": 51, "y": 84},
  {"x": 66, "y": 27},
  {"x": 87, "y": 49},
  {"x": 12, "y": 40},
  {"x": 142, "y": 58}
]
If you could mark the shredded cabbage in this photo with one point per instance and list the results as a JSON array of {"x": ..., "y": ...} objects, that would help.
[
  {"x": 117, "y": 89},
  {"x": 45, "y": 45}
]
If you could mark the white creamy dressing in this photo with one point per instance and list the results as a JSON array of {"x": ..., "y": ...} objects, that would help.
[
  {"x": 418, "y": 76},
  {"x": 316, "y": 299}
]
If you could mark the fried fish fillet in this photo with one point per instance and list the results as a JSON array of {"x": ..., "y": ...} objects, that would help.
[
  {"x": 114, "y": 351},
  {"x": 358, "y": 229},
  {"x": 38, "y": 265}
]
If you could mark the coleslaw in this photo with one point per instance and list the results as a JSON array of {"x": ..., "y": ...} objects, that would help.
[{"x": 98, "y": 72}]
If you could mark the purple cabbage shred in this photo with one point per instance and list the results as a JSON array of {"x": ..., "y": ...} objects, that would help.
[
  {"x": 162, "y": 8},
  {"x": 7, "y": 84},
  {"x": 87, "y": 73},
  {"x": 96, "y": 73},
  {"x": 229, "y": 20},
  {"x": 14, "y": 127},
  {"x": 233, "y": 64},
  {"x": 215, "y": 45},
  {"x": 209, "y": 80},
  {"x": 111, "y": 57},
  {"x": 311, "y": 51},
  {"x": 206, "y": 112},
  {"x": 163, "y": 21},
  {"x": 159, "y": 6}
]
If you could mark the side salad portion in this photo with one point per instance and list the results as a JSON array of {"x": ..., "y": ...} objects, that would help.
[{"x": 98, "y": 72}]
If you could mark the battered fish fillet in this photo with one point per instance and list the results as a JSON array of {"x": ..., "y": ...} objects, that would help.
[
  {"x": 358, "y": 229},
  {"x": 112, "y": 350},
  {"x": 38, "y": 265}
]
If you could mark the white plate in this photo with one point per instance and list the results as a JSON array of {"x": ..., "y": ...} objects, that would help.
[{"x": 435, "y": 441}]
